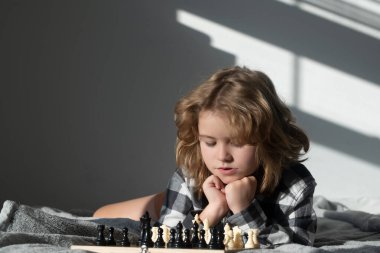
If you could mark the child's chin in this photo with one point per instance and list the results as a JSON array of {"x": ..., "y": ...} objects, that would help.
[{"x": 228, "y": 180}]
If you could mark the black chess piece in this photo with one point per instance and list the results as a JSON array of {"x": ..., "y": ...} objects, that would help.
[
  {"x": 195, "y": 237},
  {"x": 143, "y": 220},
  {"x": 245, "y": 237},
  {"x": 160, "y": 243},
  {"x": 111, "y": 240},
  {"x": 214, "y": 240},
  {"x": 100, "y": 240},
  {"x": 186, "y": 240},
  {"x": 125, "y": 241},
  {"x": 146, "y": 231},
  {"x": 171, "y": 242},
  {"x": 179, "y": 236},
  {"x": 202, "y": 242},
  {"x": 221, "y": 238}
]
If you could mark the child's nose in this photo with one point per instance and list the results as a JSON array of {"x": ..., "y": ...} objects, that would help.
[{"x": 223, "y": 154}]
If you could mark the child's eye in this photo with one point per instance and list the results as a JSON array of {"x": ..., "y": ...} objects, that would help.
[
  {"x": 210, "y": 144},
  {"x": 236, "y": 143}
]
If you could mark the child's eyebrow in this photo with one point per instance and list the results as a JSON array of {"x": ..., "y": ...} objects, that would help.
[{"x": 206, "y": 136}]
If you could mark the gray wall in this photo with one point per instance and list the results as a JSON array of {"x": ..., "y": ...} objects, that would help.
[{"x": 87, "y": 89}]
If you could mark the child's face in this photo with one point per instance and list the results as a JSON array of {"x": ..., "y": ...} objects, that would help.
[{"x": 223, "y": 157}]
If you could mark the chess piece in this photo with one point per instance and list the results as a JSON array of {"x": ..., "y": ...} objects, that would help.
[
  {"x": 186, "y": 239},
  {"x": 245, "y": 238},
  {"x": 206, "y": 228},
  {"x": 154, "y": 234},
  {"x": 125, "y": 241},
  {"x": 237, "y": 238},
  {"x": 179, "y": 236},
  {"x": 252, "y": 240},
  {"x": 249, "y": 243},
  {"x": 228, "y": 237},
  {"x": 159, "y": 243},
  {"x": 220, "y": 239},
  {"x": 214, "y": 241},
  {"x": 171, "y": 242},
  {"x": 165, "y": 233},
  {"x": 202, "y": 242},
  {"x": 111, "y": 239},
  {"x": 197, "y": 219},
  {"x": 195, "y": 238},
  {"x": 146, "y": 232},
  {"x": 255, "y": 239},
  {"x": 100, "y": 240},
  {"x": 144, "y": 249}
]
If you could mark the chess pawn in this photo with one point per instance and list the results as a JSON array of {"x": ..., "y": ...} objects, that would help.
[
  {"x": 125, "y": 241},
  {"x": 249, "y": 243},
  {"x": 100, "y": 240},
  {"x": 252, "y": 241},
  {"x": 159, "y": 243},
  {"x": 111, "y": 239}
]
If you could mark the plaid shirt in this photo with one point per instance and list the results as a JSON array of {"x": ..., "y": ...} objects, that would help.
[{"x": 286, "y": 216}]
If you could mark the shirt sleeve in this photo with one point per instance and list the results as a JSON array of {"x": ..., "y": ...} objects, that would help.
[
  {"x": 178, "y": 203},
  {"x": 296, "y": 225}
]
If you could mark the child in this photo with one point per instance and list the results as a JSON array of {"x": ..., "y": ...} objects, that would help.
[{"x": 238, "y": 152}]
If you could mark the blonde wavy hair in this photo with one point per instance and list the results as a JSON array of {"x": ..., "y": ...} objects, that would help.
[{"x": 257, "y": 116}]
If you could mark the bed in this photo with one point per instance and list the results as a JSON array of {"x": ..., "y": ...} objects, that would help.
[{"x": 345, "y": 225}]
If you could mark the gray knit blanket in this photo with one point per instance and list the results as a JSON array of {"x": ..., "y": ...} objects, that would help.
[{"x": 30, "y": 229}]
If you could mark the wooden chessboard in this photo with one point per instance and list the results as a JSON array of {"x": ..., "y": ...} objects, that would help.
[{"x": 116, "y": 249}]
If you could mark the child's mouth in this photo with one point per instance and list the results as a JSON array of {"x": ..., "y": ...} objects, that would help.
[{"x": 227, "y": 170}]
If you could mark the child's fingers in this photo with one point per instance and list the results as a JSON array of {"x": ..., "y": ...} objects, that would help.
[
  {"x": 215, "y": 182},
  {"x": 218, "y": 183}
]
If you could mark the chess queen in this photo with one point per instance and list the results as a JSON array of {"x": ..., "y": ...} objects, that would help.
[{"x": 239, "y": 155}]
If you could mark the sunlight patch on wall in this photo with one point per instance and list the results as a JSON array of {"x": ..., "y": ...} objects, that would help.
[
  {"x": 251, "y": 52},
  {"x": 339, "y": 97}
]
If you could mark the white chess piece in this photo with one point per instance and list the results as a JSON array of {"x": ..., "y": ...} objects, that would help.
[
  {"x": 255, "y": 239},
  {"x": 165, "y": 233},
  {"x": 249, "y": 244},
  {"x": 206, "y": 228},
  {"x": 228, "y": 237},
  {"x": 197, "y": 219},
  {"x": 252, "y": 242},
  {"x": 154, "y": 234},
  {"x": 238, "y": 239}
]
